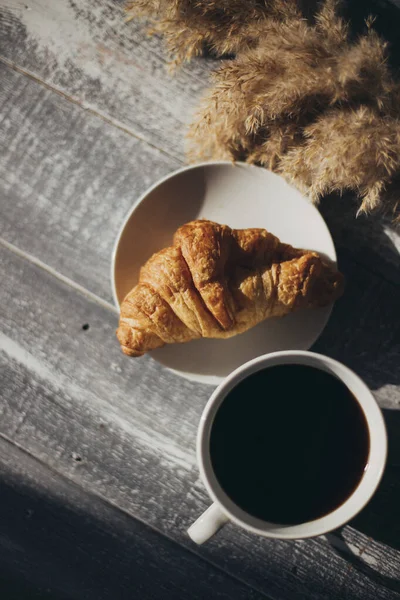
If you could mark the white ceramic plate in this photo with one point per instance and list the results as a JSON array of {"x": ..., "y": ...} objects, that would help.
[{"x": 240, "y": 196}]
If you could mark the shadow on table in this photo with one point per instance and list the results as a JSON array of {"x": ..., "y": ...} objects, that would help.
[
  {"x": 363, "y": 333},
  {"x": 380, "y": 518},
  {"x": 364, "y": 329},
  {"x": 367, "y": 239},
  {"x": 60, "y": 542}
]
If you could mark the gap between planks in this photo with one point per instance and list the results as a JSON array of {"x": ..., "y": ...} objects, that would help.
[
  {"x": 120, "y": 510},
  {"x": 350, "y": 566},
  {"x": 66, "y": 280},
  {"x": 85, "y": 106}
]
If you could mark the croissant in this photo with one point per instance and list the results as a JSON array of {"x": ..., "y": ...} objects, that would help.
[{"x": 216, "y": 282}]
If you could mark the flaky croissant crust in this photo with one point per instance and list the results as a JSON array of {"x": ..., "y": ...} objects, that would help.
[{"x": 216, "y": 282}]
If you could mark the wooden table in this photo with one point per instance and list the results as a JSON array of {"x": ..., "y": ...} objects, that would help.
[{"x": 98, "y": 474}]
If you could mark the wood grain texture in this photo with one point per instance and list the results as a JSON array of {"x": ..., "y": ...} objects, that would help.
[
  {"x": 67, "y": 180},
  {"x": 86, "y": 51},
  {"x": 57, "y": 541},
  {"x": 113, "y": 426}
]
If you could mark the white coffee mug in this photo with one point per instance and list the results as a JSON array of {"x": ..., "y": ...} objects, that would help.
[{"x": 224, "y": 509}]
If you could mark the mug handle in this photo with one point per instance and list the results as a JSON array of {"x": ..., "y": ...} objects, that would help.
[{"x": 207, "y": 524}]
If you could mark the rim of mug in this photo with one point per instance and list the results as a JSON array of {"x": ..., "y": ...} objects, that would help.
[{"x": 364, "y": 490}]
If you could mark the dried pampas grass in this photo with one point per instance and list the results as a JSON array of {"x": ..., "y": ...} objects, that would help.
[
  {"x": 303, "y": 96},
  {"x": 312, "y": 105},
  {"x": 353, "y": 149},
  {"x": 224, "y": 26}
]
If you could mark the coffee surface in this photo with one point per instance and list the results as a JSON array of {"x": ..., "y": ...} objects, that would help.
[{"x": 289, "y": 444}]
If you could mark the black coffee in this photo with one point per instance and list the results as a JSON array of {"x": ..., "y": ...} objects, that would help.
[{"x": 289, "y": 444}]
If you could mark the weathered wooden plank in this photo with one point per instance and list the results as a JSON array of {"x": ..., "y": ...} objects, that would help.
[
  {"x": 57, "y": 541},
  {"x": 380, "y": 355},
  {"x": 85, "y": 50},
  {"x": 67, "y": 179},
  {"x": 125, "y": 429}
]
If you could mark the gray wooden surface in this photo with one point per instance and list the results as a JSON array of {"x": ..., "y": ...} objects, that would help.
[{"x": 98, "y": 477}]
